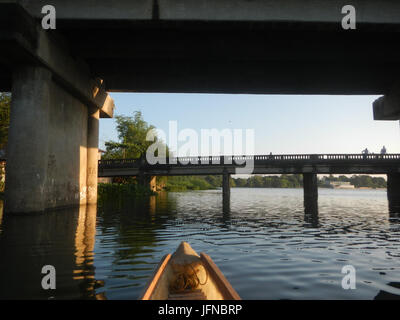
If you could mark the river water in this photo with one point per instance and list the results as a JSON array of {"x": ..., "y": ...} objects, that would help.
[{"x": 266, "y": 246}]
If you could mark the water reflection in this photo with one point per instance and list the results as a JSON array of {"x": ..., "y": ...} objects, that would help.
[
  {"x": 137, "y": 222},
  {"x": 64, "y": 239},
  {"x": 394, "y": 202},
  {"x": 311, "y": 214},
  {"x": 84, "y": 253},
  {"x": 394, "y": 216},
  {"x": 266, "y": 240},
  {"x": 311, "y": 219}
]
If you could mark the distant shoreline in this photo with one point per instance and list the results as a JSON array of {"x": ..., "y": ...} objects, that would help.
[{"x": 319, "y": 187}]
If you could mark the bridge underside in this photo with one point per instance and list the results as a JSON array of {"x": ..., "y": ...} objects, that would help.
[
  {"x": 296, "y": 47},
  {"x": 239, "y": 57}
]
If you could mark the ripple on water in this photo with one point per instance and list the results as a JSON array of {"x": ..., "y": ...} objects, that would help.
[{"x": 266, "y": 246}]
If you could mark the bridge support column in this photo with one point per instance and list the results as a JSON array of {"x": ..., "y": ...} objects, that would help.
[
  {"x": 92, "y": 154},
  {"x": 310, "y": 185},
  {"x": 52, "y": 145},
  {"x": 27, "y": 150},
  {"x": 226, "y": 191},
  {"x": 148, "y": 181},
  {"x": 393, "y": 192}
]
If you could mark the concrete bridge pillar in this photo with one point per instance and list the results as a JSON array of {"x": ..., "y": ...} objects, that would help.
[
  {"x": 310, "y": 185},
  {"x": 54, "y": 119},
  {"x": 27, "y": 150},
  {"x": 153, "y": 183},
  {"x": 92, "y": 154},
  {"x": 52, "y": 146},
  {"x": 148, "y": 181},
  {"x": 393, "y": 192},
  {"x": 226, "y": 191}
]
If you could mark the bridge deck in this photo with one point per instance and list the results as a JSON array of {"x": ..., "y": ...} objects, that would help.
[{"x": 263, "y": 164}]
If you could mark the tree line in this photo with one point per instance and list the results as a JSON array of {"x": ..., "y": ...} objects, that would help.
[{"x": 182, "y": 183}]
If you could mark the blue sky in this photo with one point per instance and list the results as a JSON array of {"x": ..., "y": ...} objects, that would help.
[{"x": 283, "y": 124}]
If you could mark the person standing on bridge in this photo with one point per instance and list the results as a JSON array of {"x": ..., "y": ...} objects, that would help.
[
  {"x": 365, "y": 153},
  {"x": 383, "y": 150}
]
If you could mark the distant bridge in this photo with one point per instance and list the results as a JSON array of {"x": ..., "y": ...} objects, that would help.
[
  {"x": 307, "y": 164},
  {"x": 263, "y": 164}
]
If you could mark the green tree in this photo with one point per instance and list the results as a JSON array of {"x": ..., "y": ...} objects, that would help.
[
  {"x": 258, "y": 182},
  {"x": 5, "y": 102},
  {"x": 132, "y": 132}
]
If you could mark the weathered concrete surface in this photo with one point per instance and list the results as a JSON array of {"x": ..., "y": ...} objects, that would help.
[
  {"x": 370, "y": 11},
  {"x": 27, "y": 150},
  {"x": 47, "y": 149},
  {"x": 26, "y": 42},
  {"x": 98, "y": 10},
  {"x": 271, "y": 10},
  {"x": 388, "y": 106},
  {"x": 67, "y": 155},
  {"x": 92, "y": 154},
  {"x": 53, "y": 141},
  {"x": 148, "y": 181},
  {"x": 153, "y": 183}
]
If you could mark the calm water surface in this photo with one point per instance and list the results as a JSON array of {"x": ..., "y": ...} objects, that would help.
[{"x": 267, "y": 247}]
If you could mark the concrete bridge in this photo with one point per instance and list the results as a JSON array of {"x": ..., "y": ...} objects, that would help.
[
  {"x": 59, "y": 78},
  {"x": 307, "y": 164}
]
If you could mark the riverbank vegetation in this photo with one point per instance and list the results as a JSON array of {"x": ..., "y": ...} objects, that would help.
[
  {"x": 257, "y": 181},
  {"x": 121, "y": 191},
  {"x": 183, "y": 183},
  {"x": 283, "y": 181},
  {"x": 132, "y": 143},
  {"x": 296, "y": 181}
]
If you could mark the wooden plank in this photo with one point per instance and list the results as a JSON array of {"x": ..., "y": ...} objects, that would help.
[
  {"x": 215, "y": 273},
  {"x": 188, "y": 295},
  {"x": 151, "y": 285}
]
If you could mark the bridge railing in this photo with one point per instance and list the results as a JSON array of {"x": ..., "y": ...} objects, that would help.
[{"x": 257, "y": 159}]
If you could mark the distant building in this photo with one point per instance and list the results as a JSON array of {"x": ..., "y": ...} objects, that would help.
[{"x": 340, "y": 185}]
